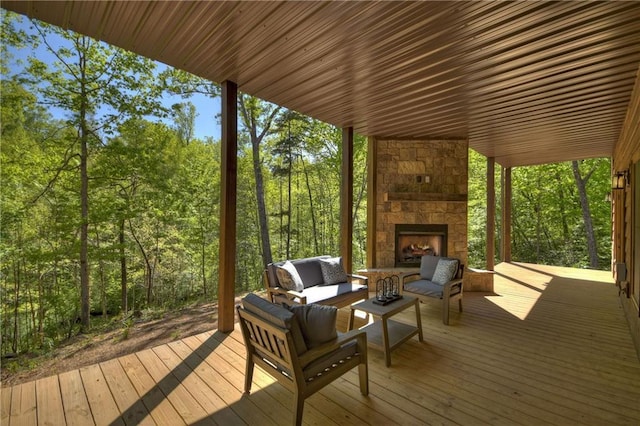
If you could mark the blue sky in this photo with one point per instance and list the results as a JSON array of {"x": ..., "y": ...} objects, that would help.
[{"x": 206, "y": 123}]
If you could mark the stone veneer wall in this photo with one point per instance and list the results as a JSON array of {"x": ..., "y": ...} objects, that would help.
[{"x": 403, "y": 196}]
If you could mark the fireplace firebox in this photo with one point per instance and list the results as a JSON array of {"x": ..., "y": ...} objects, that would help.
[{"x": 416, "y": 240}]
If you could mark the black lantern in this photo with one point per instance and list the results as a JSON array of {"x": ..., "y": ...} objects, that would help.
[
  {"x": 391, "y": 287},
  {"x": 381, "y": 290},
  {"x": 395, "y": 286},
  {"x": 387, "y": 290}
]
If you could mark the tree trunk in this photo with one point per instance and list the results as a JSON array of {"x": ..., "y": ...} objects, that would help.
[
  {"x": 16, "y": 304},
  {"x": 32, "y": 312},
  {"x": 289, "y": 215},
  {"x": 147, "y": 268},
  {"x": 280, "y": 216},
  {"x": 41, "y": 307},
  {"x": 103, "y": 283},
  {"x": 538, "y": 231},
  {"x": 250, "y": 121},
  {"x": 563, "y": 213},
  {"x": 358, "y": 202},
  {"x": 586, "y": 215},
  {"x": 149, "y": 278},
  {"x": 84, "y": 201},
  {"x": 123, "y": 269},
  {"x": 312, "y": 209},
  {"x": 151, "y": 274},
  {"x": 203, "y": 259},
  {"x": 262, "y": 208}
]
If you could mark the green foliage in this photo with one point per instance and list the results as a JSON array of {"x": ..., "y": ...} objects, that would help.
[
  {"x": 154, "y": 194},
  {"x": 141, "y": 174},
  {"x": 154, "y": 189},
  {"x": 547, "y": 222},
  {"x": 126, "y": 330},
  {"x": 305, "y": 183}
]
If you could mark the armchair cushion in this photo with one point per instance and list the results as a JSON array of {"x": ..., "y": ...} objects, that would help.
[
  {"x": 318, "y": 366},
  {"x": 317, "y": 323},
  {"x": 425, "y": 288},
  {"x": 428, "y": 266},
  {"x": 289, "y": 277},
  {"x": 277, "y": 315},
  {"x": 332, "y": 271},
  {"x": 445, "y": 271}
]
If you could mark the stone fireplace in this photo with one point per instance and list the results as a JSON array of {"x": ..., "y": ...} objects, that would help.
[
  {"x": 419, "y": 185},
  {"x": 418, "y": 195},
  {"x": 412, "y": 241}
]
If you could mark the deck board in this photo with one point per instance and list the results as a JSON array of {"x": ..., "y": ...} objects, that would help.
[
  {"x": 245, "y": 408},
  {"x": 74, "y": 399},
  {"x": 220, "y": 412},
  {"x": 132, "y": 409},
  {"x": 5, "y": 405},
  {"x": 550, "y": 346},
  {"x": 154, "y": 400},
  {"x": 197, "y": 388},
  {"x": 99, "y": 397},
  {"x": 49, "y": 402},
  {"x": 172, "y": 388},
  {"x": 23, "y": 404},
  {"x": 270, "y": 411}
]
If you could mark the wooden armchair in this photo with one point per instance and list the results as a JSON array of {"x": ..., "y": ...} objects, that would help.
[
  {"x": 275, "y": 341},
  {"x": 435, "y": 281}
]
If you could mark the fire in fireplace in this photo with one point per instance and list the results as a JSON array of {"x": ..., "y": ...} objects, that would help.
[{"x": 416, "y": 240}]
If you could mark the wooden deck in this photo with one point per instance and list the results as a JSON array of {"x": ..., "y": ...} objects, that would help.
[{"x": 551, "y": 346}]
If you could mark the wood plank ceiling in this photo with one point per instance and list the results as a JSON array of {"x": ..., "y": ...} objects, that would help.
[{"x": 525, "y": 82}]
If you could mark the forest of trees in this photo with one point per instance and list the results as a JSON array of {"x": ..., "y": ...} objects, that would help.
[
  {"x": 112, "y": 207},
  {"x": 561, "y": 214}
]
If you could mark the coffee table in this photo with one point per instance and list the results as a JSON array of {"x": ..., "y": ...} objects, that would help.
[{"x": 387, "y": 334}]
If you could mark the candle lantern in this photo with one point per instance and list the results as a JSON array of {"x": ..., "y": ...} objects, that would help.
[
  {"x": 387, "y": 290},
  {"x": 381, "y": 290},
  {"x": 395, "y": 286}
]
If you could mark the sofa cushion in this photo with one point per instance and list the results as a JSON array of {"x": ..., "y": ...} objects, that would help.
[
  {"x": 278, "y": 316},
  {"x": 288, "y": 277},
  {"x": 323, "y": 293},
  {"x": 445, "y": 271},
  {"x": 428, "y": 266},
  {"x": 309, "y": 270},
  {"x": 317, "y": 323},
  {"x": 332, "y": 271}
]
